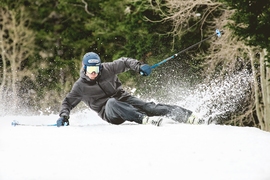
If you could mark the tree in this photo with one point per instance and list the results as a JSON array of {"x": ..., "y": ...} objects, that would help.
[
  {"x": 66, "y": 29},
  {"x": 250, "y": 24},
  {"x": 17, "y": 44}
]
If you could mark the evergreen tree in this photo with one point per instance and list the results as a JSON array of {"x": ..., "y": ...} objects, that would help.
[
  {"x": 251, "y": 21},
  {"x": 66, "y": 29}
]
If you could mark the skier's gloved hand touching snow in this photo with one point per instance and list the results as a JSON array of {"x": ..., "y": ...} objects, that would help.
[
  {"x": 63, "y": 120},
  {"x": 145, "y": 70}
]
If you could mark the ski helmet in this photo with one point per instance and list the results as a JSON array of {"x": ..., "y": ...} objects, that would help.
[{"x": 91, "y": 59}]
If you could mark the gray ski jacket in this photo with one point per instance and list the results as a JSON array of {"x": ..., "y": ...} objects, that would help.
[{"x": 95, "y": 93}]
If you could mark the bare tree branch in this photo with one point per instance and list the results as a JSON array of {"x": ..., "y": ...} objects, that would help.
[
  {"x": 86, "y": 8},
  {"x": 17, "y": 44},
  {"x": 226, "y": 54}
]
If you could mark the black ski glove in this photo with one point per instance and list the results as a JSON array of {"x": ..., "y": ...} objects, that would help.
[
  {"x": 62, "y": 121},
  {"x": 145, "y": 70}
]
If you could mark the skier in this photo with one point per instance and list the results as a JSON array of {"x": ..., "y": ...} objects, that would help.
[{"x": 100, "y": 89}]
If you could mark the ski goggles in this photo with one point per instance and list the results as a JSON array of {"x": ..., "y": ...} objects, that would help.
[{"x": 91, "y": 69}]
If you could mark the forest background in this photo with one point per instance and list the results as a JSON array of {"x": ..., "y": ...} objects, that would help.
[{"x": 42, "y": 43}]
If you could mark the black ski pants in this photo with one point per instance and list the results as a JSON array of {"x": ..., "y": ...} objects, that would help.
[{"x": 133, "y": 109}]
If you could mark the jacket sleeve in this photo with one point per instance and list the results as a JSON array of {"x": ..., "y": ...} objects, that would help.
[
  {"x": 124, "y": 64},
  {"x": 71, "y": 100}
]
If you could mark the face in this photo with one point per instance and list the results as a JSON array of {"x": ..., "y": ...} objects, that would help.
[{"x": 92, "y": 75}]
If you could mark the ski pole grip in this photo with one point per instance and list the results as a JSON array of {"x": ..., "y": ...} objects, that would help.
[
  {"x": 218, "y": 33},
  {"x": 14, "y": 123}
]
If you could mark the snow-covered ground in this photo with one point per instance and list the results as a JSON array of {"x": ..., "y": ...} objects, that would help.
[{"x": 100, "y": 151}]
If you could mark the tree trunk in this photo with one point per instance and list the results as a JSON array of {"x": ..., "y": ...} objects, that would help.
[
  {"x": 265, "y": 87},
  {"x": 4, "y": 66},
  {"x": 261, "y": 77}
]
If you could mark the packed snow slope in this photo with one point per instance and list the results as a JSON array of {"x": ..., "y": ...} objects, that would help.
[{"x": 100, "y": 151}]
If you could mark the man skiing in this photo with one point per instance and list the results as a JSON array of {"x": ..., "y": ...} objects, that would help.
[{"x": 100, "y": 89}]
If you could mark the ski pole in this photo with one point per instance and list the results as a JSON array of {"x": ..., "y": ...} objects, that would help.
[
  {"x": 217, "y": 33},
  {"x": 16, "y": 123}
]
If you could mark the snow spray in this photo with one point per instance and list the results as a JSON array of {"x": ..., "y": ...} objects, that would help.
[{"x": 218, "y": 98}]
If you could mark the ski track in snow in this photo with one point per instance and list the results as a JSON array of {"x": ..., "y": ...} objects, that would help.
[{"x": 130, "y": 151}]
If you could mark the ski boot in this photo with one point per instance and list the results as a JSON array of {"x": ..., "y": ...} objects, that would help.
[
  {"x": 194, "y": 119},
  {"x": 154, "y": 120}
]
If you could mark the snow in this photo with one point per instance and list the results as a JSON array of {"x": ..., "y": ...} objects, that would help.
[{"x": 102, "y": 151}]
